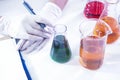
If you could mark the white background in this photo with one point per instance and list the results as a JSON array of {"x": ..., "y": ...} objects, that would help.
[{"x": 39, "y": 63}]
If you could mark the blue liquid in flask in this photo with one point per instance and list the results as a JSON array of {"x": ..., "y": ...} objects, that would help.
[{"x": 60, "y": 51}]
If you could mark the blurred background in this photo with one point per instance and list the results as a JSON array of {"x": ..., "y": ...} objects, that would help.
[{"x": 15, "y": 7}]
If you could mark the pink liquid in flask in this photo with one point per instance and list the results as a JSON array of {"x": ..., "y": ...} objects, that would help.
[{"x": 93, "y": 9}]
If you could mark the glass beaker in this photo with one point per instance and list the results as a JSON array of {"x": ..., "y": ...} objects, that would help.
[
  {"x": 111, "y": 18},
  {"x": 94, "y": 8},
  {"x": 92, "y": 46},
  {"x": 60, "y": 50}
]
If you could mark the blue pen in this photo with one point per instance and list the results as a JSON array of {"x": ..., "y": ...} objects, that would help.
[
  {"x": 29, "y": 8},
  {"x": 42, "y": 25},
  {"x": 23, "y": 63}
]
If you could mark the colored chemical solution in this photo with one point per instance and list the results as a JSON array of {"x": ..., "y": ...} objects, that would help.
[
  {"x": 114, "y": 27},
  {"x": 60, "y": 51},
  {"x": 92, "y": 51},
  {"x": 112, "y": 22},
  {"x": 93, "y": 9}
]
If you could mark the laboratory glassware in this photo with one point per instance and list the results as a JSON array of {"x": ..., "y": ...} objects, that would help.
[
  {"x": 92, "y": 45},
  {"x": 112, "y": 19},
  {"x": 60, "y": 50},
  {"x": 94, "y": 8}
]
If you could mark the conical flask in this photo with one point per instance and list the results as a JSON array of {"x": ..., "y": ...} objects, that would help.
[
  {"x": 110, "y": 16},
  {"x": 94, "y": 8},
  {"x": 60, "y": 50}
]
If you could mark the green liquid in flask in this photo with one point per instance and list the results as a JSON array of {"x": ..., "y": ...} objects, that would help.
[{"x": 60, "y": 51}]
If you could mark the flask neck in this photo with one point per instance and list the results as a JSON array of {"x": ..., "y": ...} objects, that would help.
[{"x": 60, "y": 29}]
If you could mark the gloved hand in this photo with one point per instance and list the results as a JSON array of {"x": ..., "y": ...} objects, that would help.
[
  {"x": 27, "y": 46},
  {"x": 27, "y": 29},
  {"x": 21, "y": 27},
  {"x": 31, "y": 34},
  {"x": 18, "y": 26},
  {"x": 38, "y": 36},
  {"x": 48, "y": 16}
]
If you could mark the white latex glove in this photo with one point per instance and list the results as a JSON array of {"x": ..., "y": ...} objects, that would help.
[
  {"x": 27, "y": 46},
  {"x": 38, "y": 36},
  {"x": 48, "y": 15},
  {"x": 23, "y": 27}
]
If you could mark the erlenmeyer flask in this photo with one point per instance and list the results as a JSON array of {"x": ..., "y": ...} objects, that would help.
[
  {"x": 111, "y": 18},
  {"x": 60, "y": 50},
  {"x": 94, "y": 8}
]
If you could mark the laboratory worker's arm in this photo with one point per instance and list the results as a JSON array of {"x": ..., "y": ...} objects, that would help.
[{"x": 49, "y": 14}]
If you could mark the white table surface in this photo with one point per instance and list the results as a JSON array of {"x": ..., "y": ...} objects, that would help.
[
  {"x": 42, "y": 67},
  {"x": 10, "y": 64}
]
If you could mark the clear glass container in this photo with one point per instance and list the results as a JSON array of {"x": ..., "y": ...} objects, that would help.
[
  {"x": 60, "y": 50},
  {"x": 94, "y": 8},
  {"x": 111, "y": 16},
  {"x": 93, "y": 43}
]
